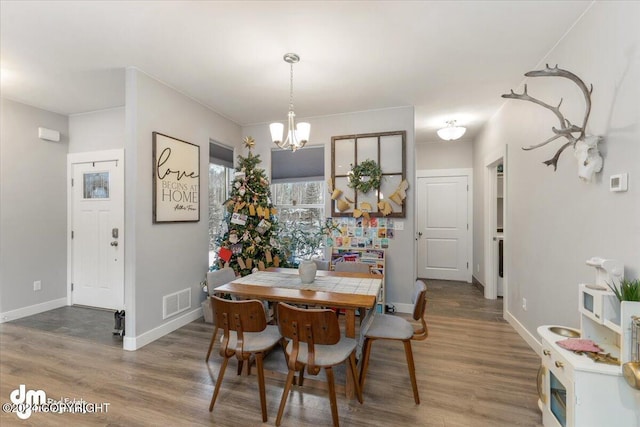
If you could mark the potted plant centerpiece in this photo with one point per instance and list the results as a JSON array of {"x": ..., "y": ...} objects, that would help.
[{"x": 302, "y": 244}]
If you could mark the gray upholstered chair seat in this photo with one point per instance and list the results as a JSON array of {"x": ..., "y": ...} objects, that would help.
[
  {"x": 389, "y": 327},
  {"x": 326, "y": 355},
  {"x": 256, "y": 341}
]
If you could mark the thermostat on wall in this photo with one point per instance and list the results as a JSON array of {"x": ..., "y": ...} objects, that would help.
[{"x": 618, "y": 182}]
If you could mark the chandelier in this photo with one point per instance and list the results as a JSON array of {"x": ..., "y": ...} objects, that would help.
[
  {"x": 451, "y": 131},
  {"x": 297, "y": 136}
]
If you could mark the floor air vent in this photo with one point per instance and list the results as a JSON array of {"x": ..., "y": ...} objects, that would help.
[{"x": 175, "y": 303}]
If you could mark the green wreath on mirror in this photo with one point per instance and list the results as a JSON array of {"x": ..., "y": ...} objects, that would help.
[{"x": 368, "y": 168}]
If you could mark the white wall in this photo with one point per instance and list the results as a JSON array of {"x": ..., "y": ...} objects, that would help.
[
  {"x": 33, "y": 210},
  {"x": 163, "y": 258},
  {"x": 400, "y": 267},
  {"x": 555, "y": 221},
  {"x": 444, "y": 155},
  {"x": 97, "y": 130}
]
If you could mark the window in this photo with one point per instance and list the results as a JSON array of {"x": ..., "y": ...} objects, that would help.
[
  {"x": 301, "y": 203},
  {"x": 220, "y": 177},
  {"x": 298, "y": 188}
]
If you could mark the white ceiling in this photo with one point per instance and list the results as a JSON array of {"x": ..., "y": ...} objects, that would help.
[{"x": 450, "y": 59}]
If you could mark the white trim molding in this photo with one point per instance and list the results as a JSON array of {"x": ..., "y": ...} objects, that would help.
[
  {"x": 19, "y": 313},
  {"x": 134, "y": 343}
]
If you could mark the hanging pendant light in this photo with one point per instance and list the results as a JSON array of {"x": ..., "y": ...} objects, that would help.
[
  {"x": 451, "y": 131},
  {"x": 297, "y": 136}
]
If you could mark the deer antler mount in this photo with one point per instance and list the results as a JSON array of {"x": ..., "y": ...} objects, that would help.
[{"x": 585, "y": 146}]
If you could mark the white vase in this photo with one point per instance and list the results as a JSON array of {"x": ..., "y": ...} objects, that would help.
[{"x": 307, "y": 270}]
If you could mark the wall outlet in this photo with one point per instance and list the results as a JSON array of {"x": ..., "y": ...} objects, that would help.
[
  {"x": 37, "y": 285},
  {"x": 477, "y": 268},
  {"x": 524, "y": 304}
]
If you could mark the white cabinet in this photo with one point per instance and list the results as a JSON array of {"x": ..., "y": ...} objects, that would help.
[{"x": 575, "y": 391}]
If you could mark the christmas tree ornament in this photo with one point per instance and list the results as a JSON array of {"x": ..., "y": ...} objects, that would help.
[
  {"x": 233, "y": 237},
  {"x": 252, "y": 209},
  {"x": 261, "y": 266},
  {"x": 242, "y": 190},
  {"x": 249, "y": 142},
  {"x": 241, "y": 263}
]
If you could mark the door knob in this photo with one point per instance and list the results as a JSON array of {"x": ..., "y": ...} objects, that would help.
[
  {"x": 419, "y": 233},
  {"x": 114, "y": 243}
]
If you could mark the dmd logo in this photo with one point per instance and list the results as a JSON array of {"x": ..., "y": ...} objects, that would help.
[{"x": 25, "y": 400}]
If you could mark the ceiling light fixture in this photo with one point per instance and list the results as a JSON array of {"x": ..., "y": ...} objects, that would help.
[
  {"x": 451, "y": 131},
  {"x": 297, "y": 136}
]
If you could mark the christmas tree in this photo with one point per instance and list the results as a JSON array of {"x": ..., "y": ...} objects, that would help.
[{"x": 247, "y": 239}]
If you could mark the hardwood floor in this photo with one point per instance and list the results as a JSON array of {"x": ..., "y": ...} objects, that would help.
[{"x": 473, "y": 370}]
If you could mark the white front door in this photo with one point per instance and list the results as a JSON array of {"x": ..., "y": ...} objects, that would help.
[
  {"x": 443, "y": 228},
  {"x": 97, "y": 244}
]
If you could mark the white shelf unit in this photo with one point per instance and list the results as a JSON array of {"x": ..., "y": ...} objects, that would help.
[
  {"x": 374, "y": 257},
  {"x": 593, "y": 393}
]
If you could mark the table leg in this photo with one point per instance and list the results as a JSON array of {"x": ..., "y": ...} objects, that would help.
[{"x": 350, "y": 332}]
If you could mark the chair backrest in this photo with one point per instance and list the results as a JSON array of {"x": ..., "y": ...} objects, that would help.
[
  {"x": 315, "y": 326},
  {"x": 352, "y": 267},
  {"x": 322, "y": 264},
  {"x": 219, "y": 277},
  {"x": 239, "y": 316},
  {"x": 419, "y": 300}
]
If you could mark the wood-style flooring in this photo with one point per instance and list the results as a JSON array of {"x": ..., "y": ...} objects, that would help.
[{"x": 473, "y": 370}]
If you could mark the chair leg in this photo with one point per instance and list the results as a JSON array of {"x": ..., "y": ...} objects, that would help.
[
  {"x": 366, "y": 351},
  {"x": 218, "y": 382},
  {"x": 356, "y": 381},
  {"x": 412, "y": 370},
  {"x": 263, "y": 397},
  {"x": 285, "y": 394},
  {"x": 301, "y": 376},
  {"x": 213, "y": 339},
  {"x": 332, "y": 396}
]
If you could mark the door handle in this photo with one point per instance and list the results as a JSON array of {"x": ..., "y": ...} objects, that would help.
[
  {"x": 419, "y": 233},
  {"x": 114, "y": 243}
]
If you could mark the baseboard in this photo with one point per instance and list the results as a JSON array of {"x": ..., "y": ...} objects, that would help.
[
  {"x": 134, "y": 343},
  {"x": 32, "y": 309},
  {"x": 523, "y": 332},
  {"x": 477, "y": 283}
]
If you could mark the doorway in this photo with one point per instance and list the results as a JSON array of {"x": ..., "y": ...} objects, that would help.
[
  {"x": 495, "y": 225},
  {"x": 444, "y": 238},
  {"x": 96, "y": 229}
]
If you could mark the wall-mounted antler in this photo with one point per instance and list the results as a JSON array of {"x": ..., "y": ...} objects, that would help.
[{"x": 567, "y": 129}]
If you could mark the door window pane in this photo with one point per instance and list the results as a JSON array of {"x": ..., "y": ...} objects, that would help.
[{"x": 95, "y": 185}]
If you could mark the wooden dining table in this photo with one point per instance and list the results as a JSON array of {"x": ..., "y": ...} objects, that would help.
[{"x": 343, "y": 290}]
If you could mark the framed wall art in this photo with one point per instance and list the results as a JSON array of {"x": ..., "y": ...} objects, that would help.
[
  {"x": 176, "y": 180},
  {"x": 368, "y": 175}
]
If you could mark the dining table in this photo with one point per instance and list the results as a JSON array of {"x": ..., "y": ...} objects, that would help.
[{"x": 346, "y": 291}]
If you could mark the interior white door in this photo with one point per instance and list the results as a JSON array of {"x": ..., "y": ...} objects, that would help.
[
  {"x": 443, "y": 231},
  {"x": 97, "y": 235}
]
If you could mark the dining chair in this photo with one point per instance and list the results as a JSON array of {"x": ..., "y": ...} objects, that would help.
[
  {"x": 214, "y": 279},
  {"x": 314, "y": 342},
  {"x": 390, "y": 327},
  {"x": 245, "y": 332},
  {"x": 352, "y": 267}
]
